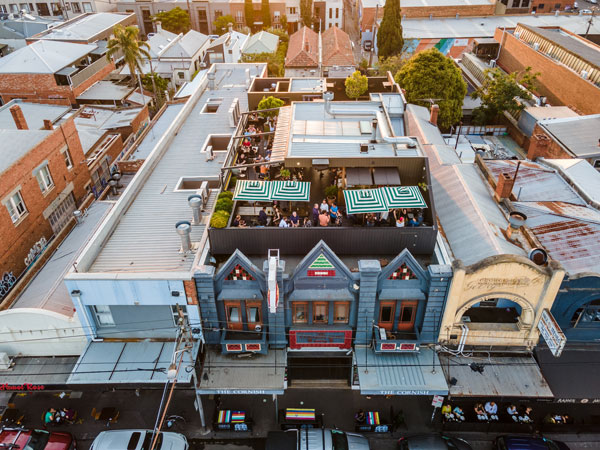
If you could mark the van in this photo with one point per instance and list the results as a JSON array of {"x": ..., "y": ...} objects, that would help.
[
  {"x": 138, "y": 440},
  {"x": 316, "y": 439}
]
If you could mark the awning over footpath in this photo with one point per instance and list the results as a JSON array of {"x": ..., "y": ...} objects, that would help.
[
  {"x": 574, "y": 376},
  {"x": 502, "y": 376},
  {"x": 400, "y": 373},
  {"x": 28, "y": 374},
  {"x": 256, "y": 375},
  {"x": 128, "y": 363}
]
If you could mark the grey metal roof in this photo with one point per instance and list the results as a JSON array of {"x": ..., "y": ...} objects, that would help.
[
  {"x": 502, "y": 376},
  {"x": 307, "y": 84},
  {"x": 235, "y": 375},
  {"x": 46, "y": 371},
  {"x": 85, "y": 27},
  {"x": 400, "y": 374},
  {"x": 35, "y": 114},
  {"x": 47, "y": 290},
  {"x": 581, "y": 174},
  {"x": 44, "y": 57},
  {"x": 21, "y": 142},
  {"x": 158, "y": 128},
  {"x": 589, "y": 53},
  {"x": 144, "y": 238},
  {"x": 425, "y": 3},
  {"x": 105, "y": 90},
  {"x": 262, "y": 42},
  {"x": 578, "y": 134}
]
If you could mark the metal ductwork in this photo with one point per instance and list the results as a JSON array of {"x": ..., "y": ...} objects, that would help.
[
  {"x": 195, "y": 202},
  {"x": 114, "y": 186},
  {"x": 211, "y": 80},
  {"x": 184, "y": 229}
]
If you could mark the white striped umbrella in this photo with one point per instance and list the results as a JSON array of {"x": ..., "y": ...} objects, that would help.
[
  {"x": 403, "y": 197},
  {"x": 360, "y": 201},
  {"x": 253, "y": 191},
  {"x": 293, "y": 191}
]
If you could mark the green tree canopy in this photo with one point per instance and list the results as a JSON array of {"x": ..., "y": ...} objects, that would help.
[
  {"x": 266, "y": 14},
  {"x": 222, "y": 24},
  {"x": 125, "y": 40},
  {"x": 356, "y": 85},
  {"x": 159, "y": 82},
  {"x": 175, "y": 20},
  {"x": 249, "y": 13},
  {"x": 268, "y": 103},
  {"x": 392, "y": 64},
  {"x": 284, "y": 22},
  {"x": 389, "y": 36},
  {"x": 500, "y": 92},
  {"x": 431, "y": 75},
  {"x": 306, "y": 12}
]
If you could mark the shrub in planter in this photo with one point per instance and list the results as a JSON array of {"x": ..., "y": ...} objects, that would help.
[
  {"x": 224, "y": 204},
  {"x": 331, "y": 191},
  {"x": 225, "y": 194},
  {"x": 219, "y": 219}
]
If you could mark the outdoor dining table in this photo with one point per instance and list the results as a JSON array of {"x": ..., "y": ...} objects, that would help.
[
  {"x": 373, "y": 423},
  {"x": 232, "y": 420},
  {"x": 299, "y": 418}
]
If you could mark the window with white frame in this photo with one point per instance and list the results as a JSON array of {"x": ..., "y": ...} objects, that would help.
[
  {"x": 24, "y": 7},
  {"x": 75, "y": 6},
  {"x": 44, "y": 179},
  {"x": 104, "y": 317},
  {"x": 239, "y": 17},
  {"x": 14, "y": 8},
  {"x": 292, "y": 10},
  {"x": 68, "y": 160},
  {"x": 16, "y": 206},
  {"x": 87, "y": 7}
]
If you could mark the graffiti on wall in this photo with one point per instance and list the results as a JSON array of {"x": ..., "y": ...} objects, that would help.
[
  {"x": 449, "y": 47},
  {"x": 6, "y": 282},
  {"x": 37, "y": 248}
]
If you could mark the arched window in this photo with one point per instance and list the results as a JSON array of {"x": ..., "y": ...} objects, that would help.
[{"x": 587, "y": 316}]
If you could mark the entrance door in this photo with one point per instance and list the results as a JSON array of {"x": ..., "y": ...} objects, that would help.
[
  {"x": 233, "y": 311},
  {"x": 408, "y": 311},
  {"x": 336, "y": 368},
  {"x": 386, "y": 315}
]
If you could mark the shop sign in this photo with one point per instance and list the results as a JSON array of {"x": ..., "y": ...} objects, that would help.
[
  {"x": 409, "y": 392},
  {"x": 240, "y": 391},
  {"x": 22, "y": 387},
  {"x": 578, "y": 400},
  {"x": 321, "y": 273},
  {"x": 438, "y": 401},
  {"x": 321, "y": 267},
  {"x": 553, "y": 335}
]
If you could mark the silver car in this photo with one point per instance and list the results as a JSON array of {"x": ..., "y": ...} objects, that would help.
[
  {"x": 316, "y": 439},
  {"x": 432, "y": 442},
  {"x": 138, "y": 440}
]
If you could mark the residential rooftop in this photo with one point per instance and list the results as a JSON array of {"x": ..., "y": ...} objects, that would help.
[
  {"x": 578, "y": 135},
  {"x": 34, "y": 113},
  {"x": 426, "y": 3},
  {"x": 44, "y": 57},
  {"x": 262, "y": 42},
  {"x": 164, "y": 44},
  {"x": 21, "y": 142},
  {"x": 106, "y": 91}
]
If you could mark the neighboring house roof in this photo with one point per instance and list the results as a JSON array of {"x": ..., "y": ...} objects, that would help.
[
  {"x": 34, "y": 113},
  {"x": 303, "y": 49},
  {"x": 21, "y": 142},
  {"x": 165, "y": 44},
  {"x": 580, "y": 174},
  {"x": 85, "y": 27},
  {"x": 263, "y": 42},
  {"x": 229, "y": 39},
  {"x": 579, "y": 135},
  {"x": 44, "y": 57},
  {"x": 105, "y": 90},
  {"x": 337, "y": 48}
]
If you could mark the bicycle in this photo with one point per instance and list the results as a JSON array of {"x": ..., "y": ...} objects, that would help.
[{"x": 175, "y": 422}]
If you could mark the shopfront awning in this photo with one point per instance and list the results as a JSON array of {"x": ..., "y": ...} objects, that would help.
[
  {"x": 255, "y": 375},
  {"x": 386, "y": 176},
  {"x": 400, "y": 374},
  {"x": 253, "y": 190},
  {"x": 128, "y": 363},
  {"x": 307, "y": 295},
  {"x": 573, "y": 377},
  {"x": 403, "y": 197},
  {"x": 503, "y": 376},
  {"x": 359, "y": 176},
  {"x": 294, "y": 191},
  {"x": 404, "y": 294},
  {"x": 360, "y": 201}
]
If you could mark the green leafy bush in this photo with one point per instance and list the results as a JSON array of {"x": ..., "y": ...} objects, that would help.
[
  {"x": 225, "y": 194},
  {"x": 219, "y": 219},
  {"x": 224, "y": 204}
]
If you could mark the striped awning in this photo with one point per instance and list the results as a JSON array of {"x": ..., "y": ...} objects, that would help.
[
  {"x": 296, "y": 191},
  {"x": 253, "y": 191},
  {"x": 360, "y": 201},
  {"x": 403, "y": 197}
]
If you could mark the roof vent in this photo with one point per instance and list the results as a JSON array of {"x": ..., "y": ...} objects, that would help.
[
  {"x": 538, "y": 256},
  {"x": 516, "y": 220},
  {"x": 211, "y": 80},
  {"x": 184, "y": 229},
  {"x": 195, "y": 202},
  {"x": 364, "y": 148}
]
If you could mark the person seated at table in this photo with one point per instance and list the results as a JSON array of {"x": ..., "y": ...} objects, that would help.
[
  {"x": 360, "y": 416},
  {"x": 246, "y": 144},
  {"x": 459, "y": 413},
  {"x": 447, "y": 411},
  {"x": 513, "y": 412},
  {"x": 236, "y": 221},
  {"x": 243, "y": 224},
  {"x": 400, "y": 222},
  {"x": 492, "y": 409},
  {"x": 324, "y": 219},
  {"x": 49, "y": 417},
  {"x": 262, "y": 216},
  {"x": 369, "y": 220},
  {"x": 480, "y": 412},
  {"x": 276, "y": 215},
  {"x": 67, "y": 415},
  {"x": 254, "y": 116},
  {"x": 324, "y": 206},
  {"x": 284, "y": 223},
  {"x": 525, "y": 416},
  {"x": 295, "y": 219},
  {"x": 307, "y": 222},
  {"x": 412, "y": 222}
]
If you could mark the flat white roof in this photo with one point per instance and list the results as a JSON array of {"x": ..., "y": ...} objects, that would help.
[
  {"x": 84, "y": 27},
  {"x": 44, "y": 57}
]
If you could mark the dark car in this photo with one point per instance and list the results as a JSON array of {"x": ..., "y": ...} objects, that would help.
[
  {"x": 432, "y": 442},
  {"x": 368, "y": 45},
  {"x": 528, "y": 443}
]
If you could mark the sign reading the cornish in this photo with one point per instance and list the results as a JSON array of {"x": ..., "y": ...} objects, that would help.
[{"x": 321, "y": 267}]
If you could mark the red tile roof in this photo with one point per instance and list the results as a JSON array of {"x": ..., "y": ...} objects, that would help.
[
  {"x": 337, "y": 48},
  {"x": 303, "y": 49}
]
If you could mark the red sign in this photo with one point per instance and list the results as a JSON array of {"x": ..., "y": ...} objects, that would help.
[
  {"x": 22, "y": 387},
  {"x": 321, "y": 338},
  {"x": 321, "y": 273}
]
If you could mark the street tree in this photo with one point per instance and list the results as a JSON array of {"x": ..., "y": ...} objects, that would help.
[
  {"x": 269, "y": 103},
  {"x": 266, "y": 14},
  {"x": 356, "y": 85},
  {"x": 222, "y": 24},
  {"x": 501, "y": 92},
  {"x": 175, "y": 20},
  {"x": 284, "y": 22},
  {"x": 392, "y": 64},
  {"x": 249, "y": 13},
  {"x": 125, "y": 40},
  {"x": 430, "y": 77},
  {"x": 306, "y": 12},
  {"x": 389, "y": 36}
]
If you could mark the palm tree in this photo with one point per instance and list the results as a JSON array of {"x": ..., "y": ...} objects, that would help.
[{"x": 134, "y": 51}]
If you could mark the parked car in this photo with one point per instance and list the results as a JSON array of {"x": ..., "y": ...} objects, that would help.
[
  {"x": 595, "y": 2},
  {"x": 316, "y": 439},
  {"x": 528, "y": 443},
  {"x": 138, "y": 440},
  {"x": 368, "y": 45},
  {"x": 21, "y": 438},
  {"x": 432, "y": 442},
  {"x": 585, "y": 11}
]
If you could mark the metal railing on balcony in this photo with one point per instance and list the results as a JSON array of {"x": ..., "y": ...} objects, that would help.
[{"x": 88, "y": 72}]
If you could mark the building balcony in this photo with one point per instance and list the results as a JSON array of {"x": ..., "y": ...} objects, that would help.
[
  {"x": 234, "y": 341},
  {"x": 395, "y": 341}
]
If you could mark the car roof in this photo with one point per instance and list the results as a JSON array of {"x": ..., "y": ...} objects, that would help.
[
  {"x": 426, "y": 442},
  {"x": 525, "y": 443}
]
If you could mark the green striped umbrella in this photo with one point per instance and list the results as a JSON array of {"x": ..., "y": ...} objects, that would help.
[
  {"x": 293, "y": 191},
  {"x": 403, "y": 197},
  {"x": 252, "y": 191},
  {"x": 364, "y": 201}
]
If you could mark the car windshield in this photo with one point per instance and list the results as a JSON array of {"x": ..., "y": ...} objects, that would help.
[
  {"x": 37, "y": 440},
  {"x": 148, "y": 441},
  {"x": 552, "y": 445},
  {"x": 339, "y": 440}
]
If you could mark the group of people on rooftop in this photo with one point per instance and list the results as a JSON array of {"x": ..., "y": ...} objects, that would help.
[{"x": 250, "y": 148}]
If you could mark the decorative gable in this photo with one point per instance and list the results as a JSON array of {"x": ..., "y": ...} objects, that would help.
[
  {"x": 321, "y": 267},
  {"x": 403, "y": 272},
  {"x": 239, "y": 273}
]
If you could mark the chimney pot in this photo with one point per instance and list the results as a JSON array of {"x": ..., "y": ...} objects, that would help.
[
  {"x": 19, "y": 117},
  {"x": 230, "y": 27},
  {"x": 435, "y": 110},
  {"x": 504, "y": 186},
  {"x": 48, "y": 125}
]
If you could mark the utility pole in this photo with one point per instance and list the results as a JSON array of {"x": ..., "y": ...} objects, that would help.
[
  {"x": 590, "y": 22},
  {"x": 374, "y": 34}
]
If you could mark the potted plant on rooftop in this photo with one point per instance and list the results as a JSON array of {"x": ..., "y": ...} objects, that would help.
[
  {"x": 331, "y": 192},
  {"x": 285, "y": 174}
]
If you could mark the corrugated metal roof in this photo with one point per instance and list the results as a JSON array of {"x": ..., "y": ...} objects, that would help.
[
  {"x": 21, "y": 142},
  {"x": 502, "y": 377},
  {"x": 145, "y": 240},
  {"x": 85, "y": 27},
  {"x": 105, "y": 90},
  {"x": 47, "y": 371},
  {"x": 262, "y": 42},
  {"x": 35, "y": 114},
  {"x": 536, "y": 182},
  {"x": 158, "y": 129},
  {"x": 581, "y": 174},
  {"x": 578, "y": 134},
  {"x": 44, "y": 57}
]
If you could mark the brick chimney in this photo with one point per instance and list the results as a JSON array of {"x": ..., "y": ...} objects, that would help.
[
  {"x": 435, "y": 110},
  {"x": 48, "y": 125},
  {"x": 505, "y": 184},
  {"x": 538, "y": 146},
  {"x": 18, "y": 117}
]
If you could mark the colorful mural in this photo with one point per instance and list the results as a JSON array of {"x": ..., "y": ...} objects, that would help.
[{"x": 449, "y": 47}]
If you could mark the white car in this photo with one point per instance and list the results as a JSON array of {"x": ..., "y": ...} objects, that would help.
[
  {"x": 585, "y": 11},
  {"x": 138, "y": 440}
]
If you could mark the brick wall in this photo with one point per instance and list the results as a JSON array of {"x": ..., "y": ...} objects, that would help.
[
  {"x": 17, "y": 240},
  {"x": 141, "y": 119},
  {"x": 542, "y": 144},
  {"x": 558, "y": 83}
]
